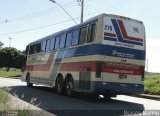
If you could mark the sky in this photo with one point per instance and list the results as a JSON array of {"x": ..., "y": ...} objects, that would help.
[{"x": 27, "y": 20}]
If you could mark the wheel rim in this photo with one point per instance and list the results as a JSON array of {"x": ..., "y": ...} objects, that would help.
[
  {"x": 69, "y": 87},
  {"x": 59, "y": 86}
]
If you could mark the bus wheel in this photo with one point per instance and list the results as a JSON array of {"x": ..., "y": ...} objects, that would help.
[
  {"x": 59, "y": 85},
  {"x": 69, "y": 86},
  {"x": 107, "y": 97},
  {"x": 28, "y": 81}
]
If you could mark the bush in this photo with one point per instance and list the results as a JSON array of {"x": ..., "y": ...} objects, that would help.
[{"x": 152, "y": 84}]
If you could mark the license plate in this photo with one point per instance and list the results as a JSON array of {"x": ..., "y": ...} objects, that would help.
[{"x": 122, "y": 76}]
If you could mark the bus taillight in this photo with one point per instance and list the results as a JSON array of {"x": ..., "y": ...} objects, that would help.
[
  {"x": 98, "y": 69},
  {"x": 143, "y": 75},
  {"x": 142, "y": 72}
]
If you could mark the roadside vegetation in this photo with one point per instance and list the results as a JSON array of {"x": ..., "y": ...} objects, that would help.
[
  {"x": 11, "y": 58},
  {"x": 7, "y": 110},
  {"x": 152, "y": 84},
  {"x": 4, "y": 106},
  {"x": 13, "y": 72}
]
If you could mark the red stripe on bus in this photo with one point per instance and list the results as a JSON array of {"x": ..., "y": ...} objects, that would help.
[
  {"x": 79, "y": 66},
  {"x": 109, "y": 34},
  {"x": 122, "y": 71},
  {"x": 124, "y": 33},
  {"x": 38, "y": 67},
  {"x": 85, "y": 66}
]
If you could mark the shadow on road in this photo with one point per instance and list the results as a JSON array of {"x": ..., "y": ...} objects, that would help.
[{"x": 79, "y": 105}]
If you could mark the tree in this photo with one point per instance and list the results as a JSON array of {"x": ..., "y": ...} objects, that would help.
[
  {"x": 11, "y": 58},
  {"x": 1, "y": 44}
]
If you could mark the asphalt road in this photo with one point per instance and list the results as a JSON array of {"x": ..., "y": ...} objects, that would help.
[{"x": 48, "y": 100}]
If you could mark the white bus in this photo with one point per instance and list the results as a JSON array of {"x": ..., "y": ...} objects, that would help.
[{"x": 104, "y": 55}]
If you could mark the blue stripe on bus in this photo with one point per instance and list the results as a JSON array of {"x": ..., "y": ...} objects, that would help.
[
  {"x": 99, "y": 49},
  {"x": 119, "y": 88},
  {"x": 110, "y": 38}
]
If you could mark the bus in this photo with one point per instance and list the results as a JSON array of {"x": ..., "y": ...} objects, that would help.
[{"x": 104, "y": 55}]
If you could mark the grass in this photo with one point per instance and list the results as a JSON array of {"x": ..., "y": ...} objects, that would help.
[
  {"x": 11, "y": 73},
  {"x": 152, "y": 84},
  {"x": 4, "y": 106}
]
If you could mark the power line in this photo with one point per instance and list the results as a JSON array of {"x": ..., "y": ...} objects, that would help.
[
  {"x": 26, "y": 30},
  {"x": 35, "y": 14},
  {"x": 39, "y": 13}
]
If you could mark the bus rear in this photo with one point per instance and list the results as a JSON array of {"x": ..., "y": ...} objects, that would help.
[{"x": 123, "y": 47}]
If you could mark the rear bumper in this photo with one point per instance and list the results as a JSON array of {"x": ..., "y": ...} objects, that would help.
[{"x": 119, "y": 88}]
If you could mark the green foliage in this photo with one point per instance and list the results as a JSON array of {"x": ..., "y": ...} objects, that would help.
[
  {"x": 4, "y": 106},
  {"x": 1, "y": 44},
  {"x": 11, "y": 73},
  {"x": 3, "y": 97},
  {"x": 11, "y": 57},
  {"x": 152, "y": 76},
  {"x": 152, "y": 84},
  {"x": 24, "y": 112}
]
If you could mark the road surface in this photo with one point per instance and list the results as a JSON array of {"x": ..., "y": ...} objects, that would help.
[{"x": 48, "y": 100}]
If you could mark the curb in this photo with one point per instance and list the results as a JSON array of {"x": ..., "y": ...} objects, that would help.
[
  {"x": 11, "y": 77},
  {"x": 153, "y": 97},
  {"x": 21, "y": 105}
]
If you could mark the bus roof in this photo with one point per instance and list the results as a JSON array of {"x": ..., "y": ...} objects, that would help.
[{"x": 89, "y": 21}]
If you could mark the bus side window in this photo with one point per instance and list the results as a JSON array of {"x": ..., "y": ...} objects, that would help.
[
  {"x": 57, "y": 42},
  {"x": 52, "y": 43},
  {"x": 48, "y": 45},
  {"x": 31, "y": 50},
  {"x": 91, "y": 33},
  {"x": 63, "y": 40},
  {"x": 83, "y": 35},
  {"x": 44, "y": 46},
  {"x": 68, "y": 39},
  {"x": 75, "y": 37},
  {"x": 38, "y": 48}
]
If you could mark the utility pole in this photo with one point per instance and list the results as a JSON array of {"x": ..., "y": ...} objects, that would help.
[
  {"x": 81, "y": 3},
  {"x": 10, "y": 41},
  {"x": 147, "y": 66}
]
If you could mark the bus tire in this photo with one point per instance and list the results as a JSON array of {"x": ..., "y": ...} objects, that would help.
[
  {"x": 28, "y": 81},
  {"x": 59, "y": 85},
  {"x": 107, "y": 97},
  {"x": 69, "y": 85}
]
